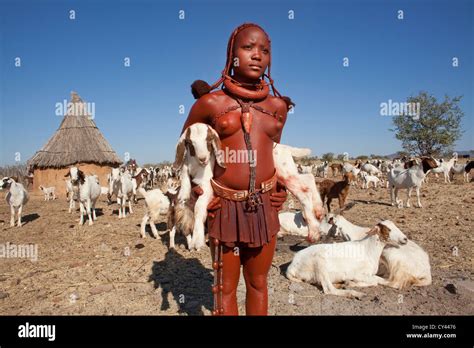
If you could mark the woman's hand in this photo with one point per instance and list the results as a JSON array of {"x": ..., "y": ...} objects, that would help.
[
  {"x": 213, "y": 205},
  {"x": 279, "y": 197}
]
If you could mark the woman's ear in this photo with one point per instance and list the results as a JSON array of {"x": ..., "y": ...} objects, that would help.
[
  {"x": 181, "y": 150},
  {"x": 213, "y": 139}
]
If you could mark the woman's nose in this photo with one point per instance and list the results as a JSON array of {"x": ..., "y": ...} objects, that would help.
[{"x": 257, "y": 54}]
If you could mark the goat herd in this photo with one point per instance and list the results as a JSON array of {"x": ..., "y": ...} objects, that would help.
[{"x": 367, "y": 256}]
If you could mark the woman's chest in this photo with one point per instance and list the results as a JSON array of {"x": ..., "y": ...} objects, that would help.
[{"x": 229, "y": 123}]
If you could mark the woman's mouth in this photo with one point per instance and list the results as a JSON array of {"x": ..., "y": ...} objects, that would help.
[{"x": 255, "y": 67}]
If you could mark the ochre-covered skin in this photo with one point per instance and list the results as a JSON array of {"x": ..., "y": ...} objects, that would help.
[
  {"x": 264, "y": 131},
  {"x": 251, "y": 47}
]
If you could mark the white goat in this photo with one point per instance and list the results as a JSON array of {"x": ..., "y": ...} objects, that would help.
[
  {"x": 157, "y": 206},
  {"x": 370, "y": 168},
  {"x": 294, "y": 224},
  {"x": 16, "y": 198},
  {"x": 445, "y": 167},
  {"x": 88, "y": 192},
  {"x": 48, "y": 192},
  {"x": 196, "y": 162},
  {"x": 460, "y": 169},
  {"x": 367, "y": 179},
  {"x": 354, "y": 263},
  {"x": 409, "y": 179},
  {"x": 72, "y": 192},
  {"x": 305, "y": 169},
  {"x": 121, "y": 184},
  {"x": 406, "y": 265},
  {"x": 347, "y": 230}
]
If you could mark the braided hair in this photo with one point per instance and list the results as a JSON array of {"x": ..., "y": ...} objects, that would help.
[{"x": 200, "y": 87}]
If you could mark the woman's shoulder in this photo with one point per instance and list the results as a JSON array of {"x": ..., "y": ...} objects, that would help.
[{"x": 279, "y": 104}]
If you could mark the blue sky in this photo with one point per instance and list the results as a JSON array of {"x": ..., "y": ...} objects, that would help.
[{"x": 137, "y": 108}]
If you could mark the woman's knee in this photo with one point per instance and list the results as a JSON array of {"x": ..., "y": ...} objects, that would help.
[{"x": 257, "y": 282}]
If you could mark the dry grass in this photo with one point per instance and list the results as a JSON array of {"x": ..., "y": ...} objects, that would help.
[{"x": 87, "y": 270}]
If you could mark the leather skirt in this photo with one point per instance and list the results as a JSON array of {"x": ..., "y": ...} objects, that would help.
[{"x": 234, "y": 224}]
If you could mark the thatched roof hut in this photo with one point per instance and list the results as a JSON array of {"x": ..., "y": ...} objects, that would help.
[{"x": 77, "y": 142}]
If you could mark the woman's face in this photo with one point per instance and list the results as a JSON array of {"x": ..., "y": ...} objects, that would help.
[{"x": 251, "y": 54}]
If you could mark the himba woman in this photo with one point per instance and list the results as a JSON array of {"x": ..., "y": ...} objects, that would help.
[{"x": 243, "y": 217}]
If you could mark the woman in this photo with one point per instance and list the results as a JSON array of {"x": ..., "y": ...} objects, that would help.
[{"x": 243, "y": 218}]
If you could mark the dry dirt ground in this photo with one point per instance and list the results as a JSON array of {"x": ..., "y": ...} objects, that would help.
[{"x": 106, "y": 269}]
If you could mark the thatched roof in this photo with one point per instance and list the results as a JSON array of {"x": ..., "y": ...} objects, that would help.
[{"x": 77, "y": 140}]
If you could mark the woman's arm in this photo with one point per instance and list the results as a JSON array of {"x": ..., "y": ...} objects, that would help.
[
  {"x": 282, "y": 110},
  {"x": 279, "y": 197}
]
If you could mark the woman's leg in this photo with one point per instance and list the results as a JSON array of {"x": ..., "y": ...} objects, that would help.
[
  {"x": 230, "y": 279},
  {"x": 257, "y": 263}
]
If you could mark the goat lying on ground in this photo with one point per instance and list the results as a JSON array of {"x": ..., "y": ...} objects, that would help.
[
  {"x": 294, "y": 224},
  {"x": 406, "y": 265},
  {"x": 88, "y": 192},
  {"x": 339, "y": 190},
  {"x": 16, "y": 198},
  {"x": 354, "y": 263},
  {"x": 48, "y": 192}
]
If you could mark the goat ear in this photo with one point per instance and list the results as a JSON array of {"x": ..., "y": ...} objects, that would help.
[
  {"x": 384, "y": 232},
  {"x": 374, "y": 230},
  {"x": 181, "y": 150},
  {"x": 213, "y": 138}
]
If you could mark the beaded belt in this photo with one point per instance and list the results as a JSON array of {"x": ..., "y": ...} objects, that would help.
[{"x": 241, "y": 195}]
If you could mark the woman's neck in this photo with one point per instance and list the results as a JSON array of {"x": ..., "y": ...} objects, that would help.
[{"x": 248, "y": 83}]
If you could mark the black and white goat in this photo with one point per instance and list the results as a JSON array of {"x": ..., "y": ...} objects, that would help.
[{"x": 88, "y": 192}]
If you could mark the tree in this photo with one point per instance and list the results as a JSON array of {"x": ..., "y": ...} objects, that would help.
[
  {"x": 340, "y": 157},
  {"x": 327, "y": 157},
  {"x": 435, "y": 128}
]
